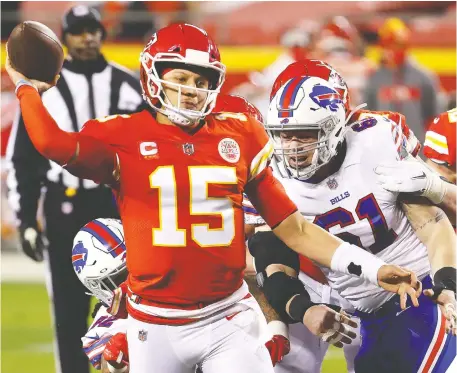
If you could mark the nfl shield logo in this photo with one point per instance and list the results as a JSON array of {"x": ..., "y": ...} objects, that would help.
[
  {"x": 332, "y": 183},
  {"x": 142, "y": 335},
  {"x": 188, "y": 149}
]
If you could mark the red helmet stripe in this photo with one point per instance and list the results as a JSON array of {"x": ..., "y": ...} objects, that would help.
[{"x": 106, "y": 237}]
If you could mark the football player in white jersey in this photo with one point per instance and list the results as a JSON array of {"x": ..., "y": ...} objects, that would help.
[
  {"x": 327, "y": 170},
  {"x": 308, "y": 350},
  {"x": 99, "y": 261}
]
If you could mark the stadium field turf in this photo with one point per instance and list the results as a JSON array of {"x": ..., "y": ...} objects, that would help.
[{"x": 26, "y": 333}]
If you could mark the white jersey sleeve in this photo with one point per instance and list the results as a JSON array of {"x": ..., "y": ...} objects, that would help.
[{"x": 101, "y": 330}]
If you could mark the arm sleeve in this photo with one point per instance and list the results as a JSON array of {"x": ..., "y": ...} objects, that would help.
[
  {"x": 269, "y": 198},
  {"x": 84, "y": 156},
  {"x": 26, "y": 173}
]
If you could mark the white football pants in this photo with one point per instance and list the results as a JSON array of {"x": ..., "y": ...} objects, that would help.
[{"x": 226, "y": 342}]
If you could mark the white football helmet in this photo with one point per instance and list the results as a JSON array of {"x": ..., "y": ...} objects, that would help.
[
  {"x": 99, "y": 257},
  {"x": 306, "y": 103}
]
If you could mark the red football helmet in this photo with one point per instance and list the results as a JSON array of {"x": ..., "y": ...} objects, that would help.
[
  {"x": 315, "y": 68},
  {"x": 338, "y": 35},
  {"x": 180, "y": 46},
  {"x": 394, "y": 39},
  {"x": 237, "y": 104}
]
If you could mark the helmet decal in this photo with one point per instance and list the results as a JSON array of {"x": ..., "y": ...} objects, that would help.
[
  {"x": 103, "y": 241},
  {"x": 107, "y": 238},
  {"x": 326, "y": 97},
  {"x": 288, "y": 96},
  {"x": 79, "y": 257}
]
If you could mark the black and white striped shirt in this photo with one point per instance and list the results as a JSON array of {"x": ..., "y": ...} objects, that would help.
[{"x": 85, "y": 90}]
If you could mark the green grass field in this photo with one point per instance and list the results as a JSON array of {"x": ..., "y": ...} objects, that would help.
[{"x": 26, "y": 332}]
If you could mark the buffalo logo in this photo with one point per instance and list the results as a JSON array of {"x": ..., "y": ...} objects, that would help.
[
  {"x": 326, "y": 97},
  {"x": 79, "y": 257},
  {"x": 285, "y": 121}
]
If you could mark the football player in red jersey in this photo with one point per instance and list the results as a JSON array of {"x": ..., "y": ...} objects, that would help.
[
  {"x": 178, "y": 173},
  {"x": 439, "y": 146}
]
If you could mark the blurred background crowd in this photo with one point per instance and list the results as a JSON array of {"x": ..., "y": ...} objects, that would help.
[{"x": 394, "y": 55}]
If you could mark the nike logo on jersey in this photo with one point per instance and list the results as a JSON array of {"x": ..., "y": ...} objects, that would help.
[
  {"x": 340, "y": 198},
  {"x": 400, "y": 312},
  {"x": 229, "y": 317},
  {"x": 96, "y": 337},
  {"x": 423, "y": 176}
]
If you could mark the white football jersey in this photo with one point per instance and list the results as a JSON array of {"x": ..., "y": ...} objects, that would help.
[
  {"x": 351, "y": 205},
  {"x": 101, "y": 330}
]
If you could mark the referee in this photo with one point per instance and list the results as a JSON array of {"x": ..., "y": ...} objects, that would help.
[{"x": 89, "y": 87}]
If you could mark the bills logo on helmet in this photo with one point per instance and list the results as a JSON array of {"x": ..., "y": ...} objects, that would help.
[
  {"x": 326, "y": 97},
  {"x": 79, "y": 257}
]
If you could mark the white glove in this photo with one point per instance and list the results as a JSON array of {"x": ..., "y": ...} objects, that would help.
[{"x": 411, "y": 175}]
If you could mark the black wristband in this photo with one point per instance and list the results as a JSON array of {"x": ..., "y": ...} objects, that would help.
[
  {"x": 298, "y": 307},
  {"x": 445, "y": 277}
]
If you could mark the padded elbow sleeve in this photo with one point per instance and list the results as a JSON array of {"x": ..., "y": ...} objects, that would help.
[
  {"x": 279, "y": 288},
  {"x": 268, "y": 249}
]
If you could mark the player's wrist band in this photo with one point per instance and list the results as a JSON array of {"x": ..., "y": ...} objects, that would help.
[
  {"x": 355, "y": 261},
  {"x": 22, "y": 82},
  {"x": 445, "y": 277},
  {"x": 277, "y": 327}
]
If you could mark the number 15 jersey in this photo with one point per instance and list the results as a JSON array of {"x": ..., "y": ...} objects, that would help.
[{"x": 179, "y": 197}]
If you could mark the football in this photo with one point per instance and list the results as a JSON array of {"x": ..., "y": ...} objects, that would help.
[{"x": 35, "y": 51}]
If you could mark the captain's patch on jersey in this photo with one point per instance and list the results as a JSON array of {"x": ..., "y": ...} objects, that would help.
[
  {"x": 229, "y": 150},
  {"x": 148, "y": 149}
]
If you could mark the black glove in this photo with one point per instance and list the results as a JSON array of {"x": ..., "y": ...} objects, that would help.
[{"x": 33, "y": 242}]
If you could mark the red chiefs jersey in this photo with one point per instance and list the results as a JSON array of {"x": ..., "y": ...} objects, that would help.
[
  {"x": 179, "y": 197},
  {"x": 439, "y": 145},
  {"x": 413, "y": 143}
]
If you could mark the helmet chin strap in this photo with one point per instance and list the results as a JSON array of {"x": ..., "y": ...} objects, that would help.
[
  {"x": 353, "y": 111},
  {"x": 179, "y": 118}
]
